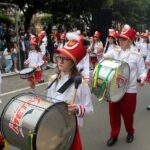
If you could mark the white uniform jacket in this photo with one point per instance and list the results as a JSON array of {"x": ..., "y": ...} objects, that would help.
[
  {"x": 136, "y": 64},
  {"x": 84, "y": 65},
  {"x": 34, "y": 59},
  {"x": 83, "y": 97}
]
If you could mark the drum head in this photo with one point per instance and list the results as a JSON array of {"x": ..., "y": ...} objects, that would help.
[
  {"x": 26, "y": 70},
  {"x": 56, "y": 129},
  {"x": 118, "y": 86}
]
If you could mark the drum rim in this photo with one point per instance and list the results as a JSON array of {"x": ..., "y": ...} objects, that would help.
[
  {"x": 38, "y": 124},
  {"x": 126, "y": 85},
  {"x": 33, "y": 70}
]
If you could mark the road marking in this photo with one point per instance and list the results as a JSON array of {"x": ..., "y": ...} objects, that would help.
[{"x": 22, "y": 89}]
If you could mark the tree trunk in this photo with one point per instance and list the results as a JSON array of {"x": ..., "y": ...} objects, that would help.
[{"x": 28, "y": 16}]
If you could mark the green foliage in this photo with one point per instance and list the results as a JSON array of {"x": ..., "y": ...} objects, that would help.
[
  {"x": 46, "y": 19},
  {"x": 6, "y": 19},
  {"x": 134, "y": 12}
]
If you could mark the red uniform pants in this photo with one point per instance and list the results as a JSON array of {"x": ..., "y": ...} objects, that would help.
[
  {"x": 125, "y": 108},
  {"x": 76, "y": 145}
]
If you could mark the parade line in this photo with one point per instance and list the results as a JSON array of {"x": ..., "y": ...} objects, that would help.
[{"x": 4, "y": 94}]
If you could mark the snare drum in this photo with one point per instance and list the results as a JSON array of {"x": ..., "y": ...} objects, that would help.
[
  {"x": 49, "y": 125},
  {"x": 27, "y": 73},
  {"x": 110, "y": 79}
]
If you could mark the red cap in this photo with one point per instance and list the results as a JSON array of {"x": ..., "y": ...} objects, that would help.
[
  {"x": 145, "y": 35},
  {"x": 33, "y": 43},
  {"x": 128, "y": 34},
  {"x": 112, "y": 33},
  {"x": 42, "y": 35},
  {"x": 74, "y": 50},
  {"x": 97, "y": 34}
]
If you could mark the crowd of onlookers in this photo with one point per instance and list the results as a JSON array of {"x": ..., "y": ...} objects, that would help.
[{"x": 13, "y": 52}]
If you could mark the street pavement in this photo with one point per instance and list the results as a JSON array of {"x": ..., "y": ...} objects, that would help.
[{"x": 95, "y": 132}]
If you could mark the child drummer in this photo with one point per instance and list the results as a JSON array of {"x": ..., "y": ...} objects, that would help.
[
  {"x": 70, "y": 55},
  {"x": 34, "y": 61}
]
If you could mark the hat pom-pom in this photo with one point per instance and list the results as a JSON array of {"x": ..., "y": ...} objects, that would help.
[{"x": 72, "y": 36}]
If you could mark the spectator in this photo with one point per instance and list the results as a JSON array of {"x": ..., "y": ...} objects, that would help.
[
  {"x": 15, "y": 57},
  {"x": 7, "y": 54},
  {"x": 23, "y": 49}
]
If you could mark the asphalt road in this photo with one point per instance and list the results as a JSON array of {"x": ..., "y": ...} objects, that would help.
[{"x": 95, "y": 132}]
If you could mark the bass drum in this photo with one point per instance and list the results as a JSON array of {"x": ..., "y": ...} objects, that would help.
[
  {"x": 110, "y": 79},
  {"x": 28, "y": 122}
]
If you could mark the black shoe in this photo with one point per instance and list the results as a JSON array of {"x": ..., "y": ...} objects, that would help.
[
  {"x": 148, "y": 107},
  {"x": 129, "y": 138},
  {"x": 111, "y": 141}
]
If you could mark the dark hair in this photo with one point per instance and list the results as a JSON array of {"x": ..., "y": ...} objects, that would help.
[
  {"x": 37, "y": 48},
  {"x": 10, "y": 46},
  {"x": 109, "y": 44}
]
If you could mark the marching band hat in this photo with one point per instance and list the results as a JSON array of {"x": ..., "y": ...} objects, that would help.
[
  {"x": 97, "y": 34},
  {"x": 129, "y": 34},
  {"x": 73, "y": 50}
]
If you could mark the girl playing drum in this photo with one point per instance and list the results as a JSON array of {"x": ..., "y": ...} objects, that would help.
[
  {"x": 79, "y": 103},
  {"x": 127, "y": 105},
  {"x": 34, "y": 61}
]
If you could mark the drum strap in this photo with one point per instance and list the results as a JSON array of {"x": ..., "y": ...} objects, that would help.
[
  {"x": 103, "y": 85},
  {"x": 64, "y": 87}
]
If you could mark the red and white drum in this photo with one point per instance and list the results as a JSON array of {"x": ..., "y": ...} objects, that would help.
[{"x": 27, "y": 115}]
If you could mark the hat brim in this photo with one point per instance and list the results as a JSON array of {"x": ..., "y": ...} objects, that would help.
[
  {"x": 110, "y": 35},
  {"x": 67, "y": 54},
  {"x": 124, "y": 37}
]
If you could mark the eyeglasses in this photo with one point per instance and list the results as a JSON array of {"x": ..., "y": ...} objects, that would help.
[{"x": 62, "y": 58}]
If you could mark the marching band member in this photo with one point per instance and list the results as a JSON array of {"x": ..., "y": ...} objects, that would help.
[
  {"x": 127, "y": 105},
  {"x": 144, "y": 46},
  {"x": 70, "y": 55},
  {"x": 95, "y": 49},
  {"x": 34, "y": 61},
  {"x": 62, "y": 41},
  {"x": 111, "y": 43},
  {"x": 42, "y": 44}
]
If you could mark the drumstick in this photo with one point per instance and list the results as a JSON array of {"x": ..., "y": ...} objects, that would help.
[{"x": 77, "y": 81}]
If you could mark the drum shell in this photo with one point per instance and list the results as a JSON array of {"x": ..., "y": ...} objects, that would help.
[{"x": 37, "y": 118}]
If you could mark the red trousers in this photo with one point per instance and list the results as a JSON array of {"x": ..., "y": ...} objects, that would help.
[
  {"x": 148, "y": 77},
  {"x": 125, "y": 108},
  {"x": 37, "y": 76},
  {"x": 76, "y": 145},
  {"x": 1, "y": 142}
]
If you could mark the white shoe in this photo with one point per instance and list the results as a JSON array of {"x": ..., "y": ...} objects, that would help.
[
  {"x": 16, "y": 71},
  {"x": 1, "y": 101}
]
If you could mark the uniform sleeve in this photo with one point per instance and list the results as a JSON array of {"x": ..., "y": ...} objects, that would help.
[
  {"x": 40, "y": 60},
  {"x": 84, "y": 64},
  {"x": 142, "y": 72},
  {"x": 84, "y": 100}
]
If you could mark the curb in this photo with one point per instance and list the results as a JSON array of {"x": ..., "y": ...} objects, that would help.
[{"x": 9, "y": 74}]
